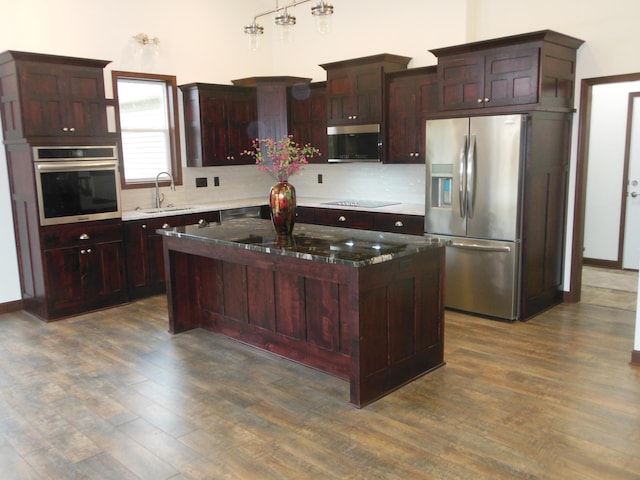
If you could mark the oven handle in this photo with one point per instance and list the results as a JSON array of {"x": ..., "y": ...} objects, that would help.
[{"x": 70, "y": 166}]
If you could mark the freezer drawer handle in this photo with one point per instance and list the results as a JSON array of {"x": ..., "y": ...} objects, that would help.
[{"x": 473, "y": 246}]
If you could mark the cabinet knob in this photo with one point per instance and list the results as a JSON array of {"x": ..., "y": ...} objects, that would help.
[
  {"x": 479, "y": 100},
  {"x": 65, "y": 129},
  {"x": 84, "y": 252},
  {"x": 486, "y": 100},
  {"x": 84, "y": 236},
  {"x": 165, "y": 225},
  {"x": 144, "y": 226},
  {"x": 399, "y": 223},
  {"x": 72, "y": 129},
  {"x": 342, "y": 218}
]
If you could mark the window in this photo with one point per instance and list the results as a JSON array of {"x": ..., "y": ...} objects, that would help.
[{"x": 147, "y": 120}]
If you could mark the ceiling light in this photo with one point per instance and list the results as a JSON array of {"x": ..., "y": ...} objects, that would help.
[{"x": 321, "y": 11}]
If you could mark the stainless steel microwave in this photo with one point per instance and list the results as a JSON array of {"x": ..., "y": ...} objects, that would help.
[
  {"x": 77, "y": 184},
  {"x": 354, "y": 143}
]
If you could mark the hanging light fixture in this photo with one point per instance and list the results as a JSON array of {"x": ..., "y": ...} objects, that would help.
[{"x": 321, "y": 11}]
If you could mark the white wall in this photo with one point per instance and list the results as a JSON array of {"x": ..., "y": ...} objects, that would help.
[{"x": 202, "y": 40}]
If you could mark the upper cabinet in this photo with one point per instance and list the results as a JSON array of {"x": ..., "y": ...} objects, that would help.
[
  {"x": 355, "y": 88},
  {"x": 219, "y": 123},
  {"x": 307, "y": 104},
  {"x": 534, "y": 69},
  {"x": 52, "y": 96},
  {"x": 412, "y": 97}
]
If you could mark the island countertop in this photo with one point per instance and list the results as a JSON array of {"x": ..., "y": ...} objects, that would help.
[{"x": 335, "y": 245}]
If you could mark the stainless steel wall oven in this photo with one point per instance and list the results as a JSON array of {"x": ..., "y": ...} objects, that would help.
[{"x": 77, "y": 183}]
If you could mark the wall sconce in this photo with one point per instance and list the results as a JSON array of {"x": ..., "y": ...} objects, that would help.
[{"x": 142, "y": 40}]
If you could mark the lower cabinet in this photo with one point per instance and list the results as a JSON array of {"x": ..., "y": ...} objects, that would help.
[
  {"x": 378, "y": 221},
  {"x": 84, "y": 267},
  {"x": 145, "y": 260}
]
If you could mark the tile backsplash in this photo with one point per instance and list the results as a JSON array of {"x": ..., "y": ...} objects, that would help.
[{"x": 361, "y": 181}]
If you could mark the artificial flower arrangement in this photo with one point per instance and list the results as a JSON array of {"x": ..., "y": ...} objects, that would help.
[{"x": 280, "y": 158}]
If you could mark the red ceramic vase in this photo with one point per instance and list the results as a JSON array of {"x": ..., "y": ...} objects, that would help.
[{"x": 282, "y": 201}]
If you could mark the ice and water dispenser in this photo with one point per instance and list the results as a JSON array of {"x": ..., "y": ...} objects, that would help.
[{"x": 441, "y": 179}]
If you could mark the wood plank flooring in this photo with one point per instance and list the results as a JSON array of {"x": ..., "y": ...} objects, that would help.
[{"x": 112, "y": 395}]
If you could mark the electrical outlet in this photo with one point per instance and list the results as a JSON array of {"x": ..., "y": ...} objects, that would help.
[
  {"x": 201, "y": 182},
  {"x": 216, "y": 181},
  {"x": 319, "y": 178}
]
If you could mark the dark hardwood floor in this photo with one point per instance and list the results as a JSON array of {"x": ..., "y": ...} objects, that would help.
[{"x": 112, "y": 395}]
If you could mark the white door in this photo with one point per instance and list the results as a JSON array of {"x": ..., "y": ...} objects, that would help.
[{"x": 631, "y": 249}]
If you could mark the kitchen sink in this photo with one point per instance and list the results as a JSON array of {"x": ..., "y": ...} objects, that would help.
[{"x": 168, "y": 209}]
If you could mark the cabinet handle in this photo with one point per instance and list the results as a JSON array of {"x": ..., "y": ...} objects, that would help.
[
  {"x": 342, "y": 218},
  {"x": 84, "y": 236},
  {"x": 165, "y": 225},
  {"x": 399, "y": 224},
  {"x": 84, "y": 252}
]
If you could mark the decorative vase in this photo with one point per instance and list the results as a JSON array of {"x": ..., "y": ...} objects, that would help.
[{"x": 282, "y": 200}]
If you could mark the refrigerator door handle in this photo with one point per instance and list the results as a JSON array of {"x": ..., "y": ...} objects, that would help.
[
  {"x": 462, "y": 173},
  {"x": 483, "y": 248},
  {"x": 471, "y": 164}
]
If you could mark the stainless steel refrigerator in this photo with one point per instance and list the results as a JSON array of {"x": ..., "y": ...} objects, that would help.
[{"x": 473, "y": 203}]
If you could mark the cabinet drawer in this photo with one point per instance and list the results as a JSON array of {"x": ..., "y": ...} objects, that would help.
[
  {"x": 202, "y": 217},
  {"x": 344, "y": 218},
  {"x": 409, "y": 224},
  {"x": 76, "y": 234}
]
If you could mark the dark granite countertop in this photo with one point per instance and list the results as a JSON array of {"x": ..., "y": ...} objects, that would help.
[{"x": 311, "y": 242}]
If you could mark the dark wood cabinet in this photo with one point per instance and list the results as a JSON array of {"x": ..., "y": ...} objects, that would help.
[
  {"x": 220, "y": 123},
  {"x": 84, "y": 267},
  {"x": 308, "y": 117},
  {"x": 398, "y": 223},
  {"x": 55, "y": 96},
  {"x": 343, "y": 218},
  {"x": 355, "y": 88},
  {"x": 362, "y": 219},
  {"x": 530, "y": 69},
  {"x": 144, "y": 257},
  {"x": 412, "y": 97}
]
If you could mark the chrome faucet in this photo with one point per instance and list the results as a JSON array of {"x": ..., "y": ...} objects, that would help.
[{"x": 160, "y": 196}]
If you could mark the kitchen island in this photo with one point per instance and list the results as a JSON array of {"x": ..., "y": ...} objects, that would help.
[{"x": 364, "y": 306}]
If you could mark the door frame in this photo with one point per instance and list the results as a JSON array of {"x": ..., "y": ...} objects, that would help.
[
  {"x": 584, "y": 124},
  {"x": 625, "y": 176}
]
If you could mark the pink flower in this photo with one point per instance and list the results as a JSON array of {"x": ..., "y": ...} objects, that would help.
[{"x": 280, "y": 158}]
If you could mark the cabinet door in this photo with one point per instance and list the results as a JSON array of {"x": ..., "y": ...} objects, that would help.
[
  {"x": 102, "y": 273},
  {"x": 214, "y": 134},
  {"x": 402, "y": 135},
  {"x": 85, "y": 102},
  {"x": 43, "y": 100},
  {"x": 367, "y": 95},
  {"x": 511, "y": 77},
  {"x": 308, "y": 119},
  {"x": 64, "y": 281},
  {"x": 154, "y": 248},
  {"x": 242, "y": 114},
  {"x": 137, "y": 257},
  {"x": 339, "y": 97},
  {"x": 461, "y": 80}
]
